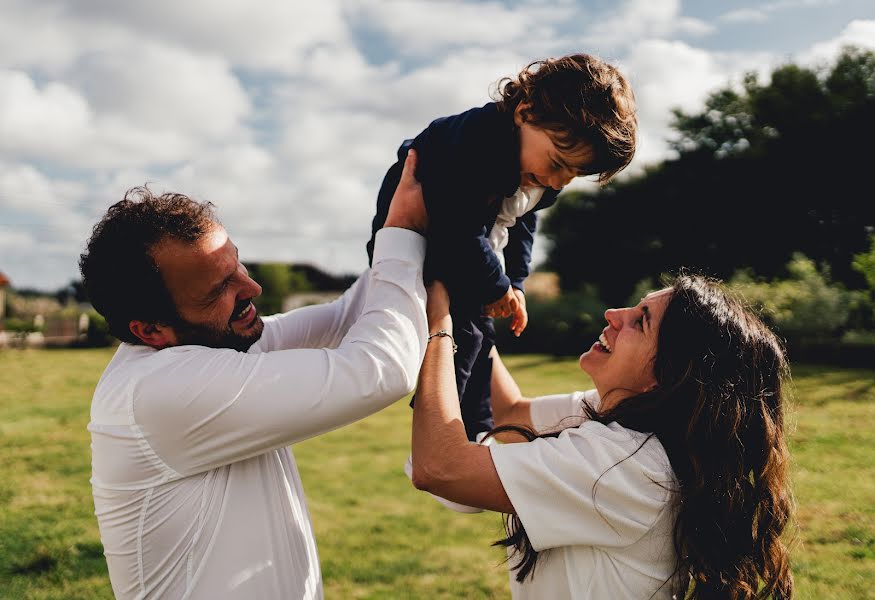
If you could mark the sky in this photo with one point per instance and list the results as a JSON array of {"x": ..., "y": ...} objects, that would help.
[{"x": 286, "y": 114}]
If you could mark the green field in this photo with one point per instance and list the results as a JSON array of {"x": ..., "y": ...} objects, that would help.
[{"x": 378, "y": 537}]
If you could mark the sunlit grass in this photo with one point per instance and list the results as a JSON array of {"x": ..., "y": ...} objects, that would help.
[{"x": 377, "y": 536}]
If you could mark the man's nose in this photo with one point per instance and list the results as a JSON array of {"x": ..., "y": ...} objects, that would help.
[{"x": 251, "y": 289}]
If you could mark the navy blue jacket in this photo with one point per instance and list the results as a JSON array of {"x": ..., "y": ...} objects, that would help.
[{"x": 467, "y": 164}]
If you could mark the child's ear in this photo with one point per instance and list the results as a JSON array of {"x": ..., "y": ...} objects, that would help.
[{"x": 520, "y": 114}]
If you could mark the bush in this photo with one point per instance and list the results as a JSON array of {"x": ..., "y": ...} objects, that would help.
[
  {"x": 97, "y": 334},
  {"x": 18, "y": 325},
  {"x": 806, "y": 308}
]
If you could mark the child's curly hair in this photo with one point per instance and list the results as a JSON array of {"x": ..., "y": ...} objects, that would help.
[{"x": 580, "y": 100}]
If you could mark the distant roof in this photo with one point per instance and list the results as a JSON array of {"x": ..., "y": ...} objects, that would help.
[{"x": 4, "y": 280}]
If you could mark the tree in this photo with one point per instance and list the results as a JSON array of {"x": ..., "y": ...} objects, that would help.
[
  {"x": 763, "y": 171},
  {"x": 277, "y": 281}
]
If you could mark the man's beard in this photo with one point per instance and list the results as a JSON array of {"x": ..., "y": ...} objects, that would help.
[{"x": 213, "y": 337}]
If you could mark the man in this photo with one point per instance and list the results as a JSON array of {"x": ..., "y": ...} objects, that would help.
[{"x": 195, "y": 490}]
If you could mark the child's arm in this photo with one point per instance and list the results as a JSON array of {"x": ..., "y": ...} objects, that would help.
[
  {"x": 517, "y": 256},
  {"x": 518, "y": 252}
]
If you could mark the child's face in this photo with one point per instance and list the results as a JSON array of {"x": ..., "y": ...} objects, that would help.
[{"x": 541, "y": 162}]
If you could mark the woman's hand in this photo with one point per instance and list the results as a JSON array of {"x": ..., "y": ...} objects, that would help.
[{"x": 407, "y": 208}]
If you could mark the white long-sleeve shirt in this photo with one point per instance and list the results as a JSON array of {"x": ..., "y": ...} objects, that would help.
[
  {"x": 196, "y": 493},
  {"x": 512, "y": 208}
]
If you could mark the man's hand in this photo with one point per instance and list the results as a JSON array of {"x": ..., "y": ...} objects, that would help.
[
  {"x": 520, "y": 316},
  {"x": 504, "y": 306},
  {"x": 407, "y": 208}
]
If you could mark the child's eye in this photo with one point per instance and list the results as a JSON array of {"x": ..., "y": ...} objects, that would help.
[{"x": 556, "y": 166}]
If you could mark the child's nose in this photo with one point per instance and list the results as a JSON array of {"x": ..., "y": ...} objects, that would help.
[{"x": 561, "y": 180}]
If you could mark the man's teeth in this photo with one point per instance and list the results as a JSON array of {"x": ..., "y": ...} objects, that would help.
[
  {"x": 604, "y": 342},
  {"x": 245, "y": 310}
]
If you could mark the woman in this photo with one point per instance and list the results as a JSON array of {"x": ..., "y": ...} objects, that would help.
[{"x": 671, "y": 479}]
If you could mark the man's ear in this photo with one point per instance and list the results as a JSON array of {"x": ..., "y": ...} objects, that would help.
[
  {"x": 520, "y": 113},
  {"x": 152, "y": 334}
]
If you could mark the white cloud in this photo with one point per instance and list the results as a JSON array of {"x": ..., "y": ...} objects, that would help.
[
  {"x": 421, "y": 27},
  {"x": 273, "y": 111},
  {"x": 162, "y": 87},
  {"x": 49, "y": 122},
  {"x": 641, "y": 19},
  {"x": 673, "y": 74},
  {"x": 147, "y": 104},
  {"x": 745, "y": 15},
  {"x": 764, "y": 12},
  {"x": 42, "y": 226},
  {"x": 857, "y": 33},
  {"x": 266, "y": 35}
]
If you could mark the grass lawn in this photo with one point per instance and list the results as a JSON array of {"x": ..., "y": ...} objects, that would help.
[{"x": 377, "y": 536}]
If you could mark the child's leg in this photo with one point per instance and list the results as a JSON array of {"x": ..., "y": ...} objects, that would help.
[
  {"x": 476, "y": 399},
  {"x": 468, "y": 338}
]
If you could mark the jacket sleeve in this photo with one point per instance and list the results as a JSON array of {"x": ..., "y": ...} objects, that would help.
[
  {"x": 458, "y": 167},
  {"x": 518, "y": 252}
]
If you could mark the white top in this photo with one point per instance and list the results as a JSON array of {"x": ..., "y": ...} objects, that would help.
[
  {"x": 594, "y": 508},
  {"x": 512, "y": 208},
  {"x": 196, "y": 494}
]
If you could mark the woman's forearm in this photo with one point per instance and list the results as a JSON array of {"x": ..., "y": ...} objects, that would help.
[
  {"x": 509, "y": 407},
  {"x": 438, "y": 432},
  {"x": 444, "y": 461}
]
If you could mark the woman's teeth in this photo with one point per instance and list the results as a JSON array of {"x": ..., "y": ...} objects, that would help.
[{"x": 604, "y": 342}]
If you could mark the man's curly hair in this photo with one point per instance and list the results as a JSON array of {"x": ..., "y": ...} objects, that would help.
[{"x": 118, "y": 270}]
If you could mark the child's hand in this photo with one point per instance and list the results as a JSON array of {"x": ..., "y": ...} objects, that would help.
[
  {"x": 520, "y": 316},
  {"x": 504, "y": 306}
]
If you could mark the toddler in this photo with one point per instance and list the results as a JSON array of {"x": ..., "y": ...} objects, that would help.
[{"x": 486, "y": 172}]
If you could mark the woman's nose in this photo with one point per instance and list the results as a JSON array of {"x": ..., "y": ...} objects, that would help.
[{"x": 614, "y": 317}]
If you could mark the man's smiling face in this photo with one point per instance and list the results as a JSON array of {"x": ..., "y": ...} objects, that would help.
[{"x": 212, "y": 292}]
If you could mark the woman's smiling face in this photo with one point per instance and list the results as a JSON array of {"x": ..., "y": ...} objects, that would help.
[{"x": 621, "y": 361}]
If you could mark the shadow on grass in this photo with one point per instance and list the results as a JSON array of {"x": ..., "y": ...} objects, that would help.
[{"x": 41, "y": 563}]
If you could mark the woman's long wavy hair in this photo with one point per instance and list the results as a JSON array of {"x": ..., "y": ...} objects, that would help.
[{"x": 718, "y": 410}]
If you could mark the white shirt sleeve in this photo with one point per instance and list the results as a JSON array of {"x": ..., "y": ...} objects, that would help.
[
  {"x": 200, "y": 408},
  {"x": 588, "y": 486},
  {"x": 318, "y": 326},
  {"x": 560, "y": 411}
]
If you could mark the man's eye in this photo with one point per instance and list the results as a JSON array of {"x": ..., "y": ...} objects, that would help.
[{"x": 639, "y": 322}]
